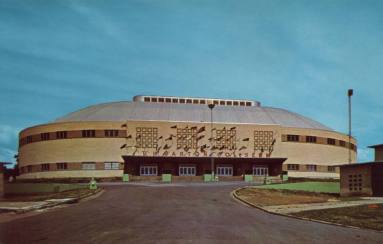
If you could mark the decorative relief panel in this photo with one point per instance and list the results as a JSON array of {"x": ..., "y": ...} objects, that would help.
[
  {"x": 187, "y": 138},
  {"x": 263, "y": 140},
  {"x": 225, "y": 139},
  {"x": 146, "y": 137}
]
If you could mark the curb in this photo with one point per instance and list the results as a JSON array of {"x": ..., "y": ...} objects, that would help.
[
  {"x": 52, "y": 204},
  {"x": 97, "y": 193},
  {"x": 91, "y": 196},
  {"x": 249, "y": 204}
]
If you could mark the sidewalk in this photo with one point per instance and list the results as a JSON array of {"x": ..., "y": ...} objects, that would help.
[
  {"x": 178, "y": 184},
  {"x": 294, "y": 208}
]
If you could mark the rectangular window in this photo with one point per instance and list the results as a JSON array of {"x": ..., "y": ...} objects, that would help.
[
  {"x": 111, "y": 133},
  {"x": 311, "y": 167},
  {"x": 111, "y": 165},
  {"x": 225, "y": 171},
  {"x": 154, "y": 99},
  {"x": 242, "y": 103},
  {"x": 168, "y": 100},
  {"x": 248, "y": 104},
  {"x": 161, "y": 99},
  {"x": 311, "y": 139},
  {"x": 260, "y": 171},
  {"x": 293, "y": 167},
  {"x": 222, "y": 103},
  {"x": 29, "y": 168},
  {"x": 61, "y": 134},
  {"x": 202, "y": 102},
  {"x": 88, "y": 133},
  {"x": 146, "y": 99},
  {"x": 229, "y": 103},
  {"x": 148, "y": 170},
  {"x": 88, "y": 166},
  {"x": 188, "y": 101},
  {"x": 331, "y": 168},
  {"x": 235, "y": 103},
  {"x": 115, "y": 165},
  {"x": 45, "y": 167},
  {"x": 182, "y": 100},
  {"x": 62, "y": 166},
  {"x": 342, "y": 143},
  {"x": 292, "y": 138},
  {"x": 195, "y": 101},
  {"x": 174, "y": 100},
  {"x": 330, "y": 141},
  {"x": 187, "y": 171},
  {"x": 29, "y": 139},
  {"x": 44, "y": 136}
]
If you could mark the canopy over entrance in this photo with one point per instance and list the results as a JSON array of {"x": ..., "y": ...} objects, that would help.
[{"x": 136, "y": 165}]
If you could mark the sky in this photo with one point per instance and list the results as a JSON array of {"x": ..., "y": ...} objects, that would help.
[{"x": 60, "y": 56}]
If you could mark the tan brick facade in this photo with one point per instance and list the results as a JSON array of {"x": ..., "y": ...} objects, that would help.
[{"x": 230, "y": 140}]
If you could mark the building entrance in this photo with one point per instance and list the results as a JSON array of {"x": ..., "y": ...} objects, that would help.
[
  {"x": 199, "y": 166},
  {"x": 225, "y": 171},
  {"x": 187, "y": 171},
  {"x": 148, "y": 170}
]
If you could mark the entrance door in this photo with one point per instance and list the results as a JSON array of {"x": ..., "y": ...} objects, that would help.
[
  {"x": 260, "y": 171},
  {"x": 187, "y": 171},
  {"x": 225, "y": 170},
  {"x": 148, "y": 170}
]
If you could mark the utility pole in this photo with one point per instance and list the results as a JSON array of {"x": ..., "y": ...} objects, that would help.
[
  {"x": 211, "y": 106},
  {"x": 350, "y": 93}
]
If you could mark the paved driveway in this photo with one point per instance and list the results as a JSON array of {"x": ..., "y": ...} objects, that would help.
[{"x": 172, "y": 214}]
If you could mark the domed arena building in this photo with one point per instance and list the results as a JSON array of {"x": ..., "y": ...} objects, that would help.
[{"x": 185, "y": 137}]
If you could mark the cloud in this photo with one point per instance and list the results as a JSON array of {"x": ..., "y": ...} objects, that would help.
[
  {"x": 8, "y": 134},
  {"x": 7, "y": 155},
  {"x": 62, "y": 56},
  {"x": 98, "y": 20},
  {"x": 8, "y": 143}
]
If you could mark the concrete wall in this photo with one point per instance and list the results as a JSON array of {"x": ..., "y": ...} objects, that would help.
[
  {"x": 74, "y": 151},
  {"x": 306, "y": 174}
]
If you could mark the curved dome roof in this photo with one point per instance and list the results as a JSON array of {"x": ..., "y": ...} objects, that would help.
[{"x": 127, "y": 110}]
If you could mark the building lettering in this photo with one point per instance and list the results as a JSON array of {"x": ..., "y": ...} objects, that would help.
[{"x": 220, "y": 154}]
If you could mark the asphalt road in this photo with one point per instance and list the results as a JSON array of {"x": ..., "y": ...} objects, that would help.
[{"x": 172, "y": 214}]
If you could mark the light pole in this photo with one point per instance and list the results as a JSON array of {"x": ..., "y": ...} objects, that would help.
[
  {"x": 350, "y": 93},
  {"x": 211, "y": 106}
]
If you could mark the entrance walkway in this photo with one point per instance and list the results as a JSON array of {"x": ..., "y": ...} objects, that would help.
[{"x": 191, "y": 214}]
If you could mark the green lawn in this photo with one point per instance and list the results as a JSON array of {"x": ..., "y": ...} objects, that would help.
[{"x": 325, "y": 187}]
